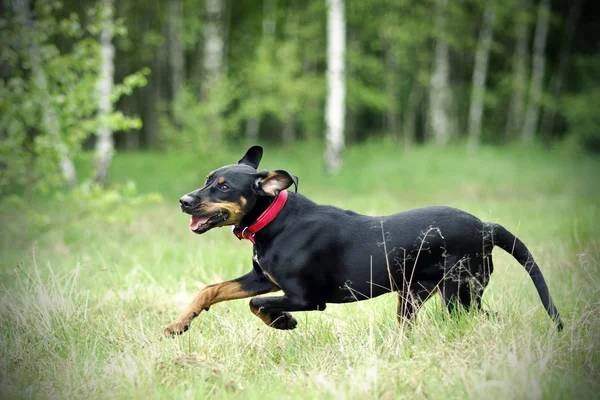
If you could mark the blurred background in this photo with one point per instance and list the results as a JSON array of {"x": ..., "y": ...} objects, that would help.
[{"x": 195, "y": 75}]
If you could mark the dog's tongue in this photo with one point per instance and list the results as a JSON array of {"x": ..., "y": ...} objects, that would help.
[{"x": 196, "y": 221}]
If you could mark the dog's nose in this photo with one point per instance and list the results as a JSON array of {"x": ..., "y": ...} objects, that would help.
[{"x": 186, "y": 201}]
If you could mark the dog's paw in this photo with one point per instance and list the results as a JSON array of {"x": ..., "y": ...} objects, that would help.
[
  {"x": 176, "y": 328},
  {"x": 284, "y": 321}
]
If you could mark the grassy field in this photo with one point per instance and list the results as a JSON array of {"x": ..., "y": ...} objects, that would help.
[{"x": 84, "y": 303}]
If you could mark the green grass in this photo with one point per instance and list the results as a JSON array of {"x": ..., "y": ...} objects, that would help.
[{"x": 83, "y": 305}]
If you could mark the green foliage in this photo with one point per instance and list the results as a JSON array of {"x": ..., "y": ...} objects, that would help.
[
  {"x": 581, "y": 109},
  {"x": 199, "y": 120},
  {"x": 69, "y": 61}
]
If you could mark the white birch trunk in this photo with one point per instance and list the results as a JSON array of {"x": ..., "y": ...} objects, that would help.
[
  {"x": 50, "y": 123},
  {"x": 537, "y": 72},
  {"x": 514, "y": 120},
  {"x": 269, "y": 24},
  {"x": 213, "y": 45},
  {"x": 392, "y": 115},
  {"x": 105, "y": 146},
  {"x": 440, "y": 96},
  {"x": 563, "y": 58},
  {"x": 176, "y": 54},
  {"x": 480, "y": 69},
  {"x": 336, "y": 87}
]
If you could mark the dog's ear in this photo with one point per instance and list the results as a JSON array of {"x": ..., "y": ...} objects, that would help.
[
  {"x": 252, "y": 157},
  {"x": 270, "y": 183}
]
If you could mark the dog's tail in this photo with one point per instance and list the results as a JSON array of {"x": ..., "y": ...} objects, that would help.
[{"x": 511, "y": 244}]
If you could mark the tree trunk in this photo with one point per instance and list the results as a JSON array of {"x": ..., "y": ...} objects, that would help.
[
  {"x": 213, "y": 46},
  {"x": 480, "y": 69},
  {"x": 50, "y": 123},
  {"x": 336, "y": 89},
  {"x": 392, "y": 116},
  {"x": 537, "y": 72},
  {"x": 269, "y": 24},
  {"x": 563, "y": 59},
  {"x": 213, "y": 57},
  {"x": 176, "y": 53},
  {"x": 105, "y": 145},
  {"x": 252, "y": 129},
  {"x": 440, "y": 96},
  {"x": 410, "y": 116},
  {"x": 288, "y": 133},
  {"x": 514, "y": 121}
]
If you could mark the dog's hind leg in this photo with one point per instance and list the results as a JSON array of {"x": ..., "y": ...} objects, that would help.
[{"x": 409, "y": 302}]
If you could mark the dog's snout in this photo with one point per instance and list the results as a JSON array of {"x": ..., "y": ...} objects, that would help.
[{"x": 186, "y": 201}]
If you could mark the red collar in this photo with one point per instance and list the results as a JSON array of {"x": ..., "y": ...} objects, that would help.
[{"x": 265, "y": 218}]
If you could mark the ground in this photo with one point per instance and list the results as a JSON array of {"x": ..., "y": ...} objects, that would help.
[{"x": 86, "y": 298}]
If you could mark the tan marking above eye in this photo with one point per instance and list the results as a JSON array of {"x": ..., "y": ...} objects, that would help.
[
  {"x": 211, "y": 174},
  {"x": 221, "y": 180}
]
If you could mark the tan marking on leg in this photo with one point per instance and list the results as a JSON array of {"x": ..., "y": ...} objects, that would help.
[
  {"x": 266, "y": 318},
  {"x": 283, "y": 320},
  {"x": 208, "y": 296}
]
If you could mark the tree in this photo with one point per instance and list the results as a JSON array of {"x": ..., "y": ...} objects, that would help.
[
  {"x": 336, "y": 88},
  {"x": 530, "y": 125},
  {"x": 176, "y": 54},
  {"x": 50, "y": 122},
  {"x": 104, "y": 135},
  {"x": 265, "y": 45},
  {"x": 556, "y": 83},
  {"x": 520, "y": 60},
  {"x": 214, "y": 47},
  {"x": 440, "y": 95},
  {"x": 479, "y": 75}
]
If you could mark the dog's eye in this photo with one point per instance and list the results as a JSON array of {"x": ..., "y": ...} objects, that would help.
[{"x": 224, "y": 187}]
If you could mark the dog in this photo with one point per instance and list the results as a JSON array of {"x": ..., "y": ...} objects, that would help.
[{"x": 318, "y": 254}]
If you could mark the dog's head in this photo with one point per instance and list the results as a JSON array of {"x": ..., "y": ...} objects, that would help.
[{"x": 231, "y": 192}]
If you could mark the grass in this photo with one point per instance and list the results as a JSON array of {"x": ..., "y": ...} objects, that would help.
[{"x": 83, "y": 305}]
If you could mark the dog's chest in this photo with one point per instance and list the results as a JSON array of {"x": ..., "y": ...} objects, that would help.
[{"x": 264, "y": 271}]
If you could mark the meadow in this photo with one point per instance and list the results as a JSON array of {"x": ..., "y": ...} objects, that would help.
[{"x": 84, "y": 301}]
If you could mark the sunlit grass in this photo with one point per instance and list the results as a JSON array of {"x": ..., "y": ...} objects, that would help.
[{"x": 83, "y": 306}]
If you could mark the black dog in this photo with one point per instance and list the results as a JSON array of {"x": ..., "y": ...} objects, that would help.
[{"x": 320, "y": 254}]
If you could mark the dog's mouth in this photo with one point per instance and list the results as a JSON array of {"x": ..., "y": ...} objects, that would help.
[{"x": 202, "y": 223}]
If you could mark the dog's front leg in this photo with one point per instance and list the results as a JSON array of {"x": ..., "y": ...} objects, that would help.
[{"x": 249, "y": 285}]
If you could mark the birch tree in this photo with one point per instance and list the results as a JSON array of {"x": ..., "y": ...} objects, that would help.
[
  {"x": 514, "y": 120},
  {"x": 213, "y": 46},
  {"x": 480, "y": 70},
  {"x": 336, "y": 87},
  {"x": 440, "y": 96},
  {"x": 267, "y": 39},
  {"x": 530, "y": 123},
  {"x": 50, "y": 121},
  {"x": 104, "y": 135},
  {"x": 176, "y": 54},
  {"x": 563, "y": 61}
]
